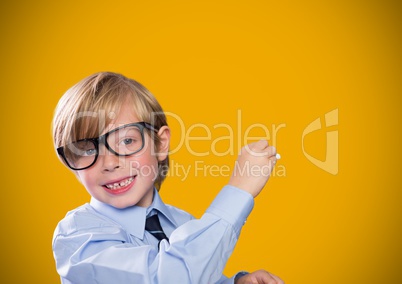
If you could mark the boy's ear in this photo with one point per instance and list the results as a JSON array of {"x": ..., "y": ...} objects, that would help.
[{"x": 164, "y": 138}]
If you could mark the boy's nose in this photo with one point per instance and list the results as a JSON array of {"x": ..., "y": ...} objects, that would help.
[{"x": 110, "y": 161}]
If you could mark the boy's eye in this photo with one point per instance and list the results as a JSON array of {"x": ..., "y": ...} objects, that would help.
[
  {"x": 89, "y": 152},
  {"x": 128, "y": 145},
  {"x": 128, "y": 141},
  {"x": 84, "y": 148}
]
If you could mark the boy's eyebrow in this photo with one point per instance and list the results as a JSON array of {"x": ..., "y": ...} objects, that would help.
[{"x": 143, "y": 123}]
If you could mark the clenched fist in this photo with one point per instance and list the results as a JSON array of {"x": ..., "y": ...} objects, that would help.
[{"x": 253, "y": 167}]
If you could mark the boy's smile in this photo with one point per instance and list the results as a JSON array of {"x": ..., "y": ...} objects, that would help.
[
  {"x": 123, "y": 181},
  {"x": 120, "y": 186}
]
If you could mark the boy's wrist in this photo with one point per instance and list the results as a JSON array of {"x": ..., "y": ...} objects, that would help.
[
  {"x": 233, "y": 205},
  {"x": 239, "y": 275}
]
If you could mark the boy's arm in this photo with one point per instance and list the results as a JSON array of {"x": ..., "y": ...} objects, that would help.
[{"x": 253, "y": 169}]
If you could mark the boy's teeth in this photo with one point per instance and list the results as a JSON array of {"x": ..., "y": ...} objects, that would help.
[{"x": 117, "y": 185}]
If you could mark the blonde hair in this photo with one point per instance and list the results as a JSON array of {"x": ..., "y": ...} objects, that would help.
[{"x": 87, "y": 107}]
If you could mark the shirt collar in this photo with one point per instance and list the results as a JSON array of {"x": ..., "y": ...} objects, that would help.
[
  {"x": 133, "y": 218},
  {"x": 159, "y": 205}
]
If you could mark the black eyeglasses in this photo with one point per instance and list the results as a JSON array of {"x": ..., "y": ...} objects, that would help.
[{"x": 125, "y": 140}]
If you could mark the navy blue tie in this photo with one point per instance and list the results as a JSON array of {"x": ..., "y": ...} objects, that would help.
[{"x": 153, "y": 226}]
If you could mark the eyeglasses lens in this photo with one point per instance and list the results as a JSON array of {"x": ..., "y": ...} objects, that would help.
[
  {"x": 80, "y": 154},
  {"x": 125, "y": 141}
]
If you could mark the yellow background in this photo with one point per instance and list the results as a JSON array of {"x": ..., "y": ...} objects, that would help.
[{"x": 279, "y": 62}]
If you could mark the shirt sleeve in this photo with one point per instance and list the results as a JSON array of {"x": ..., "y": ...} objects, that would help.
[{"x": 197, "y": 252}]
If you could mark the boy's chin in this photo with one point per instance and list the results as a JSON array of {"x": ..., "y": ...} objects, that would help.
[{"x": 122, "y": 203}]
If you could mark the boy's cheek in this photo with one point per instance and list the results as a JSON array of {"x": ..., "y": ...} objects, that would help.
[{"x": 144, "y": 169}]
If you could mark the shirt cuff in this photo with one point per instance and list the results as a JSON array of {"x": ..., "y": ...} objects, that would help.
[
  {"x": 238, "y": 275},
  {"x": 233, "y": 205}
]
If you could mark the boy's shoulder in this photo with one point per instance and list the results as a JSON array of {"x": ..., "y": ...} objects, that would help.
[
  {"x": 83, "y": 217},
  {"x": 180, "y": 215}
]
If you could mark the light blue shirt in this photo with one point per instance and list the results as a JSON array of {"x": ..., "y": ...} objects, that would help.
[{"x": 97, "y": 243}]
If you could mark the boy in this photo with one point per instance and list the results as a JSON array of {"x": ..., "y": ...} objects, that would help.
[{"x": 112, "y": 133}]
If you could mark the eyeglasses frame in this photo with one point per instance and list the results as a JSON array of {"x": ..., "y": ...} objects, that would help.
[{"x": 103, "y": 140}]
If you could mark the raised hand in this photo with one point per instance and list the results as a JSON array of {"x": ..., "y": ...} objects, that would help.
[{"x": 253, "y": 167}]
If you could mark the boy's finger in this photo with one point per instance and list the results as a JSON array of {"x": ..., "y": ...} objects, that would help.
[
  {"x": 271, "y": 150},
  {"x": 278, "y": 280},
  {"x": 259, "y": 145}
]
